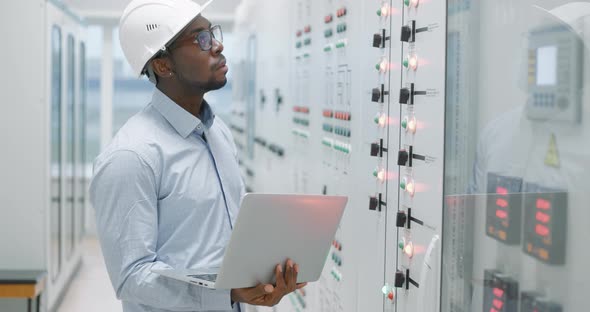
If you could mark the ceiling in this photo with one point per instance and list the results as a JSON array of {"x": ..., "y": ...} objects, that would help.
[{"x": 109, "y": 11}]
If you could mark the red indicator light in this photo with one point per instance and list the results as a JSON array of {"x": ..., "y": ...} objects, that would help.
[
  {"x": 501, "y": 214},
  {"x": 543, "y": 204},
  {"x": 502, "y": 190},
  {"x": 493, "y": 310},
  {"x": 498, "y": 292},
  {"x": 498, "y": 304},
  {"x": 500, "y": 202},
  {"x": 307, "y": 29},
  {"x": 541, "y": 230},
  {"x": 543, "y": 217},
  {"x": 328, "y": 19},
  {"x": 299, "y": 33}
]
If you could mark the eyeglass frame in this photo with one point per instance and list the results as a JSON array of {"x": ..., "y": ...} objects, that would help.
[{"x": 194, "y": 38}]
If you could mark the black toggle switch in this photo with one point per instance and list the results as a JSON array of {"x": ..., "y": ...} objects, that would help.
[
  {"x": 379, "y": 39},
  {"x": 377, "y": 148},
  {"x": 400, "y": 279},
  {"x": 409, "y": 32},
  {"x": 404, "y": 219},
  {"x": 402, "y": 158},
  {"x": 404, "y": 95},
  {"x": 376, "y": 95},
  {"x": 406, "y": 35},
  {"x": 375, "y": 203},
  {"x": 401, "y": 219}
]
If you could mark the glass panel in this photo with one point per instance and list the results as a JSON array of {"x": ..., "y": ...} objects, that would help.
[
  {"x": 69, "y": 215},
  {"x": 82, "y": 144},
  {"x": 516, "y": 156},
  {"x": 130, "y": 94},
  {"x": 251, "y": 58},
  {"x": 55, "y": 169},
  {"x": 92, "y": 117}
]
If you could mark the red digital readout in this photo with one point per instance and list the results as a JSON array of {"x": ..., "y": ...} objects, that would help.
[
  {"x": 498, "y": 292},
  {"x": 543, "y": 217},
  {"x": 541, "y": 230},
  {"x": 500, "y": 202},
  {"x": 498, "y": 304},
  {"x": 501, "y": 214},
  {"x": 501, "y": 190},
  {"x": 498, "y": 301},
  {"x": 543, "y": 204}
]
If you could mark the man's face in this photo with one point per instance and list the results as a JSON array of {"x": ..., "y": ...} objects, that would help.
[{"x": 193, "y": 67}]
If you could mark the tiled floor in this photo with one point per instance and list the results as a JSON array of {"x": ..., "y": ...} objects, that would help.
[{"x": 91, "y": 289}]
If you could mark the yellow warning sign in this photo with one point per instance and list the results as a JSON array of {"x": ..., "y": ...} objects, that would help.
[{"x": 552, "y": 157}]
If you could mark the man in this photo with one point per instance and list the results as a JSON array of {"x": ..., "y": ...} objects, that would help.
[{"x": 167, "y": 190}]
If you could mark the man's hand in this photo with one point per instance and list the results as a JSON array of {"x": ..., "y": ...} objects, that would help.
[{"x": 267, "y": 294}]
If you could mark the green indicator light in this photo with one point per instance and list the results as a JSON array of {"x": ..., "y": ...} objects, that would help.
[
  {"x": 401, "y": 245},
  {"x": 406, "y": 63},
  {"x": 404, "y": 123},
  {"x": 407, "y": 2},
  {"x": 377, "y": 67},
  {"x": 379, "y": 12},
  {"x": 402, "y": 185}
]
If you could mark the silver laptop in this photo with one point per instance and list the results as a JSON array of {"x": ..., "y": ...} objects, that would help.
[{"x": 269, "y": 229}]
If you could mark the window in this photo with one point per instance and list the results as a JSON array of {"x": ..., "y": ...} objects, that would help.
[
  {"x": 56, "y": 154},
  {"x": 70, "y": 172}
]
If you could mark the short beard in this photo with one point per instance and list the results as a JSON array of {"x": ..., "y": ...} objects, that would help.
[{"x": 212, "y": 85}]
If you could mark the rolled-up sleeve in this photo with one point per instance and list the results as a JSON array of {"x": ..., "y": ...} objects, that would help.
[{"x": 123, "y": 192}]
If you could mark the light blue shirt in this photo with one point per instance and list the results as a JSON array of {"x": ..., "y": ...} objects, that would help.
[{"x": 165, "y": 197}]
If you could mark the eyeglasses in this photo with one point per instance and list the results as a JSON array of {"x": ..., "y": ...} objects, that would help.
[{"x": 204, "y": 38}]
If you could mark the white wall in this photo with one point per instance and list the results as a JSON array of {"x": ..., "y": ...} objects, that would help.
[{"x": 23, "y": 158}]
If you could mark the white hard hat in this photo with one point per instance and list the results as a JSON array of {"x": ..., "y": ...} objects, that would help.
[{"x": 147, "y": 26}]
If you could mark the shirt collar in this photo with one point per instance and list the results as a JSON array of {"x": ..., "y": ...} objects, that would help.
[{"x": 181, "y": 120}]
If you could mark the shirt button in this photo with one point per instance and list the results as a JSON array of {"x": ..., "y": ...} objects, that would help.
[{"x": 199, "y": 127}]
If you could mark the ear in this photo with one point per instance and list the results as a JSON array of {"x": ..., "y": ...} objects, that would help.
[{"x": 162, "y": 67}]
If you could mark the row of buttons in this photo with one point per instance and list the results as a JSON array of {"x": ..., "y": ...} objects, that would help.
[
  {"x": 337, "y": 130},
  {"x": 336, "y": 274},
  {"x": 306, "y": 29},
  {"x": 300, "y": 133},
  {"x": 342, "y": 131},
  {"x": 301, "y": 121},
  {"x": 337, "y": 245},
  {"x": 336, "y": 258},
  {"x": 342, "y": 147},
  {"x": 301, "y": 109},
  {"x": 342, "y": 115}
]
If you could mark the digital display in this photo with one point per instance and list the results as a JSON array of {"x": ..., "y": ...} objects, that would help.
[
  {"x": 504, "y": 208},
  {"x": 500, "y": 292},
  {"x": 547, "y": 66},
  {"x": 545, "y": 215},
  {"x": 531, "y": 302}
]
